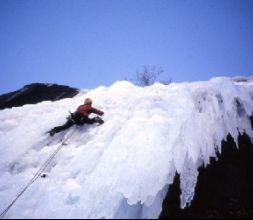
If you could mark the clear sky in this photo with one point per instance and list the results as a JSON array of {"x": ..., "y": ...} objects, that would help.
[{"x": 88, "y": 43}]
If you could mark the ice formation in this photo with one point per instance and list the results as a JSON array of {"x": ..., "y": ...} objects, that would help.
[{"x": 123, "y": 168}]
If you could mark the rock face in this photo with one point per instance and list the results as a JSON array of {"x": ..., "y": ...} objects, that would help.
[
  {"x": 36, "y": 92},
  {"x": 224, "y": 188}
]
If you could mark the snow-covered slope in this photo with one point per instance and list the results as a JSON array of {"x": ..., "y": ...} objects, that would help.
[
  {"x": 123, "y": 168},
  {"x": 35, "y": 93}
]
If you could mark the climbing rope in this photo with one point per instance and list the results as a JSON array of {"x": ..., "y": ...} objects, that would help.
[{"x": 36, "y": 175}]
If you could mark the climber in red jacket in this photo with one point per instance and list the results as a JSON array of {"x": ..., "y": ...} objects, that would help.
[{"x": 80, "y": 117}]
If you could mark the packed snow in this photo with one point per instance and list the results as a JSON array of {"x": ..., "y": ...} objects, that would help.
[{"x": 123, "y": 168}]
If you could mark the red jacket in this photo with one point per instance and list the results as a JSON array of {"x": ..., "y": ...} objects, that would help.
[{"x": 88, "y": 109}]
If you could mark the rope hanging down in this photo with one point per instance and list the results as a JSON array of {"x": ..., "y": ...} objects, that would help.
[{"x": 36, "y": 176}]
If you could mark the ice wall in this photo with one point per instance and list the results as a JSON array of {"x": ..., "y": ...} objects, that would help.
[{"x": 123, "y": 168}]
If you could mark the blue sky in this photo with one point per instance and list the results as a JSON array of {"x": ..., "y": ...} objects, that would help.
[{"x": 88, "y": 43}]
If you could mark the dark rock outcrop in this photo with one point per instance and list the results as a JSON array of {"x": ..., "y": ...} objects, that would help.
[
  {"x": 224, "y": 188},
  {"x": 35, "y": 93}
]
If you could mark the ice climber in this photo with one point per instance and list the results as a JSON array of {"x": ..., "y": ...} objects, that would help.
[{"x": 80, "y": 117}]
